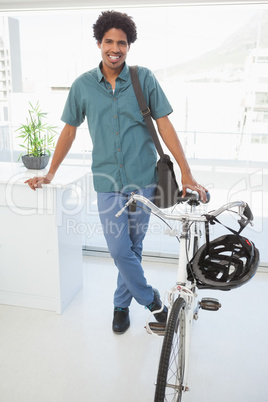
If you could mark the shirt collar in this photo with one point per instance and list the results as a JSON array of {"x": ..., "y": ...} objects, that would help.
[
  {"x": 124, "y": 75},
  {"x": 100, "y": 75}
]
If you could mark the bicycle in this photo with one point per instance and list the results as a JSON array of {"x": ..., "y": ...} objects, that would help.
[{"x": 172, "y": 377}]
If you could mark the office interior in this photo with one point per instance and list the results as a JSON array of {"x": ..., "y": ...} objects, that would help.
[{"x": 56, "y": 337}]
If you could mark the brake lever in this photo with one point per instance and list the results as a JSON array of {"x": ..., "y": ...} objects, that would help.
[
  {"x": 129, "y": 202},
  {"x": 119, "y": 213}
]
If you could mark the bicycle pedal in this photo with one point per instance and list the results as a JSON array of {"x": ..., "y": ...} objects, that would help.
[
  {"x": 157, "y": 328},
  {"x": 208, "y": 303}
]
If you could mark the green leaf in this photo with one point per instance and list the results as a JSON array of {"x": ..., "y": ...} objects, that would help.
[{"x": 38, "y": 135}]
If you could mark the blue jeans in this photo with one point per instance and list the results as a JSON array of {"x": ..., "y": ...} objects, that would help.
[{"x": 124, "y": 236}]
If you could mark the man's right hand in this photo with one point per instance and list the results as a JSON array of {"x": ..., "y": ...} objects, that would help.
[
  {"x": 63, "y": 146},
  {"x": 37, "y": 182}
]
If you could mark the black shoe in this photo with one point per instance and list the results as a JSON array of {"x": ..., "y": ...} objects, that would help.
[
  {"x": 156, "y": 305},
  {"x": 121, "y": 320}
]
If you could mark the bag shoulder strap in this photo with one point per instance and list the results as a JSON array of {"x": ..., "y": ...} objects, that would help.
[{"x": 144, "y": 109}]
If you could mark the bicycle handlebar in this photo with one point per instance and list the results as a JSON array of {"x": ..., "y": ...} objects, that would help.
[
  {"x": 193, "y": 196},
  {"x": 243, "y": 210}
]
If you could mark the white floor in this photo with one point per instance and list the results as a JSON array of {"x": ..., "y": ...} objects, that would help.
[{"x": 75, "y": 357}]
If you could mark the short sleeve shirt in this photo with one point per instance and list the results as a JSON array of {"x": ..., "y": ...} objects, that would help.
[{"x": 123, "y": 156}]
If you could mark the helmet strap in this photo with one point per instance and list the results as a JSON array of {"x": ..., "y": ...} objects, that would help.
[{"x": 243, "y": 223}]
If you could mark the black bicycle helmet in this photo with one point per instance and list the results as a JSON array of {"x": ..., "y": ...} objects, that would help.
[{"x": 225, "y": 263}]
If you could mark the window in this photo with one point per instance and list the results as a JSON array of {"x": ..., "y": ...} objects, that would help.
[
  {"x": 262, "y": 98},
  {"x": 192, "y": 50}
]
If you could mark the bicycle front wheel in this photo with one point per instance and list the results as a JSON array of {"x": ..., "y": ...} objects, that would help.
[{"x": 169, "y": 386}]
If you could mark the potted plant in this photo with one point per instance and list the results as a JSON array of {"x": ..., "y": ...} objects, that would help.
[{"x": 38, "y": 139}]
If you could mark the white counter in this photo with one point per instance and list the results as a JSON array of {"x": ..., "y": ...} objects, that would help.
[{"x": 40, "y": 262}]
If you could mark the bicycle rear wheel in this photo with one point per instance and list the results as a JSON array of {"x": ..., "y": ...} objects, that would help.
[{"x": 170, "y": 375}]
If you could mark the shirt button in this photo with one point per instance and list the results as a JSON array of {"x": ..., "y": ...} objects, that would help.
[
  {"x": 114, "y": 98},
  {"x": 119, "y": 150},
  {"x": 116, "y": 133},
  {"x": 121, "y": 165},
  {"x": 115, "y": 117}
]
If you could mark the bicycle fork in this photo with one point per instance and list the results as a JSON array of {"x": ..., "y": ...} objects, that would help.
[
  {"x": 189, "y": 316},
  {"x": 185, "y": 291}
]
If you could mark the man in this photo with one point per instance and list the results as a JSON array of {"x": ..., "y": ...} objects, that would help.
[{"x": 123, "y": 156}]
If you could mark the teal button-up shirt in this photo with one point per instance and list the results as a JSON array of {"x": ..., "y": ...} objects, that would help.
[{"x": 123, "y": 155}]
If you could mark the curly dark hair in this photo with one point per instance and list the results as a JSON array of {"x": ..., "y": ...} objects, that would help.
[{"x": 114, "y": 19}]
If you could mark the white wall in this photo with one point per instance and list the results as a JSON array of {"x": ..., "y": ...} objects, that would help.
[{"x": 12, "y": 5}]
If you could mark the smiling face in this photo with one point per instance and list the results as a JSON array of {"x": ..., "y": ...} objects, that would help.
[{"x": 114, "y": 48}]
